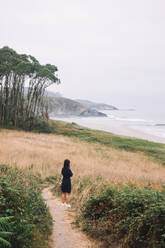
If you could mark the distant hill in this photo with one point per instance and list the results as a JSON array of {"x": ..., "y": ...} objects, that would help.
[
  {"x": 61, "y": 106},
  {"x": 65, "y": 107},
  {"x": 97, "y": 106}
]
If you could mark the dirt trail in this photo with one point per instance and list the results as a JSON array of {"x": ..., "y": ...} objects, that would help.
[{"x": 64, "y": 235}]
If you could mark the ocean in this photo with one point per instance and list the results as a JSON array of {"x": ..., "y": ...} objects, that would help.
[{"x": 149, "y": 125}]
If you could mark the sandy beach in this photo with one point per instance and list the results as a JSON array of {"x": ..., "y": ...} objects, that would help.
[{"x": 111, "y": 126}]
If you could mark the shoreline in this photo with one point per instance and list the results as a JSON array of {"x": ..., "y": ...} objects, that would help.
[{"x": 113, "y": 128}]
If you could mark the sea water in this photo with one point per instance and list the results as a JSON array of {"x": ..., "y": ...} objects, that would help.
[
  {"x": 152, "y": 123},
  {"x": 148, "y": 123}
]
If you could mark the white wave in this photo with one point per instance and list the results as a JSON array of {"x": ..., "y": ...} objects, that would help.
[{"x": 133, "y": 120}]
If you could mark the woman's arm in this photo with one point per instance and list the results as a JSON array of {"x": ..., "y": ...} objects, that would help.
[{"x": 71, "y": 174}]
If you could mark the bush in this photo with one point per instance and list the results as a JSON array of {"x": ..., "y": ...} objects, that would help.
[
  {"x": 5, "y": 234},
  {"x": 131, "y": 216},
  {"x": 43, "y": 127},
  {"x": 20, "y": 196}
]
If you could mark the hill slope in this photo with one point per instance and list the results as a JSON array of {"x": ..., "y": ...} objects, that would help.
[
  {"x": 61, "y": 106},
  {"x": 97, "y": 106}
]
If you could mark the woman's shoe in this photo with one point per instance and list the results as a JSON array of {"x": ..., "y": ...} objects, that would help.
[{"x": 68, "y": 205}]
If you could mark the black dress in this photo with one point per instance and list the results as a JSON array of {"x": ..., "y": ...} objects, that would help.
[{"x": 66, "y": 181}]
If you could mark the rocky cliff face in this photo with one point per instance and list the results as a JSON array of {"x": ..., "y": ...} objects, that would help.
[
  {"x": 61, "y": 106},
  {"x": 97, "y": 106},
  {"x": 92, "y": 112},
  {"x": 64, "y": 106}
]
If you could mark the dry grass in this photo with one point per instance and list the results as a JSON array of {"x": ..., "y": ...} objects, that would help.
[{"x": 44, "y": 154}]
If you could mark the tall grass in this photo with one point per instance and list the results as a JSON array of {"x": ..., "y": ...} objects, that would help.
[
  {"x": 44, "y": 154},
  {"x": 97, "y": 165}
]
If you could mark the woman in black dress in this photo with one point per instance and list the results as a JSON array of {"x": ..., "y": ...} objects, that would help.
[{"x": 66, "y": 183}]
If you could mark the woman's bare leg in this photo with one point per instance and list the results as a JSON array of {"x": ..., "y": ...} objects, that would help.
[
  {"x": 63, "y": 197},
  {"x": 67, "y": 198}
]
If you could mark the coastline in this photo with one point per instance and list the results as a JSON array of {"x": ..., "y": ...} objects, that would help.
[{"x": 112, "y": 128}]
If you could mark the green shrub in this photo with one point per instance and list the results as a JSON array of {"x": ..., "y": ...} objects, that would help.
[
  {"x": 20, "y": 196},
  {"x": 56, "y": 181},
  {"x": 5, "y": 234},
  {"x": 43, "y": 127},
  {"x": 131, "y": 216}
]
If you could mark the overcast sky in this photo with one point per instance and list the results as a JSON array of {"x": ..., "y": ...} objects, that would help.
[{"x": 109, "y": 51}]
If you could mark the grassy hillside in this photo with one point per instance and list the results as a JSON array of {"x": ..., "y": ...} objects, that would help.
[
  {"x": 44, "y": 154},
  {"x": 151, "y": 149},
  {"x": 117, "y": 183}
]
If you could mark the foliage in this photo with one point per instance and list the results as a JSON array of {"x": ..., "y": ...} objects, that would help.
[
  {"x": 5, "y": 226},
  {"x": 43, "y": 127},
  {"x": 20, "y": 107},
  {"x": 56, "y": 180},
  {"x": 151, "y": 149},
  {"x": 131, "y": 215},
  {"x": 20, "y": 196}
]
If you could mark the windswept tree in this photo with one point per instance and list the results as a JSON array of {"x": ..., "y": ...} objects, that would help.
[{"x": 20, "y": 106}]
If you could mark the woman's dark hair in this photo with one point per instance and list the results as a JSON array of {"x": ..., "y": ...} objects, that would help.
[{"x": 66, "y": 163}]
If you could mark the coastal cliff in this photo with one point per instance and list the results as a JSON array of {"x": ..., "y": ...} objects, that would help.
[
  {"x": 95, "y": 105},
  {"x": 61, "y": 106}
]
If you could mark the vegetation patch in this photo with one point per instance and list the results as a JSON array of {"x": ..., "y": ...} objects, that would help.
[
  {"x": 129, "y": 215},
  {"x": 41, "y": 126},
  {"x": 151, "y": 149},
  {"x": 21, "y": 200}
]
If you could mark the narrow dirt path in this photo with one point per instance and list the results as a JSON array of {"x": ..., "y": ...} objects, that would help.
[{"x": 64, "y": 235}]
